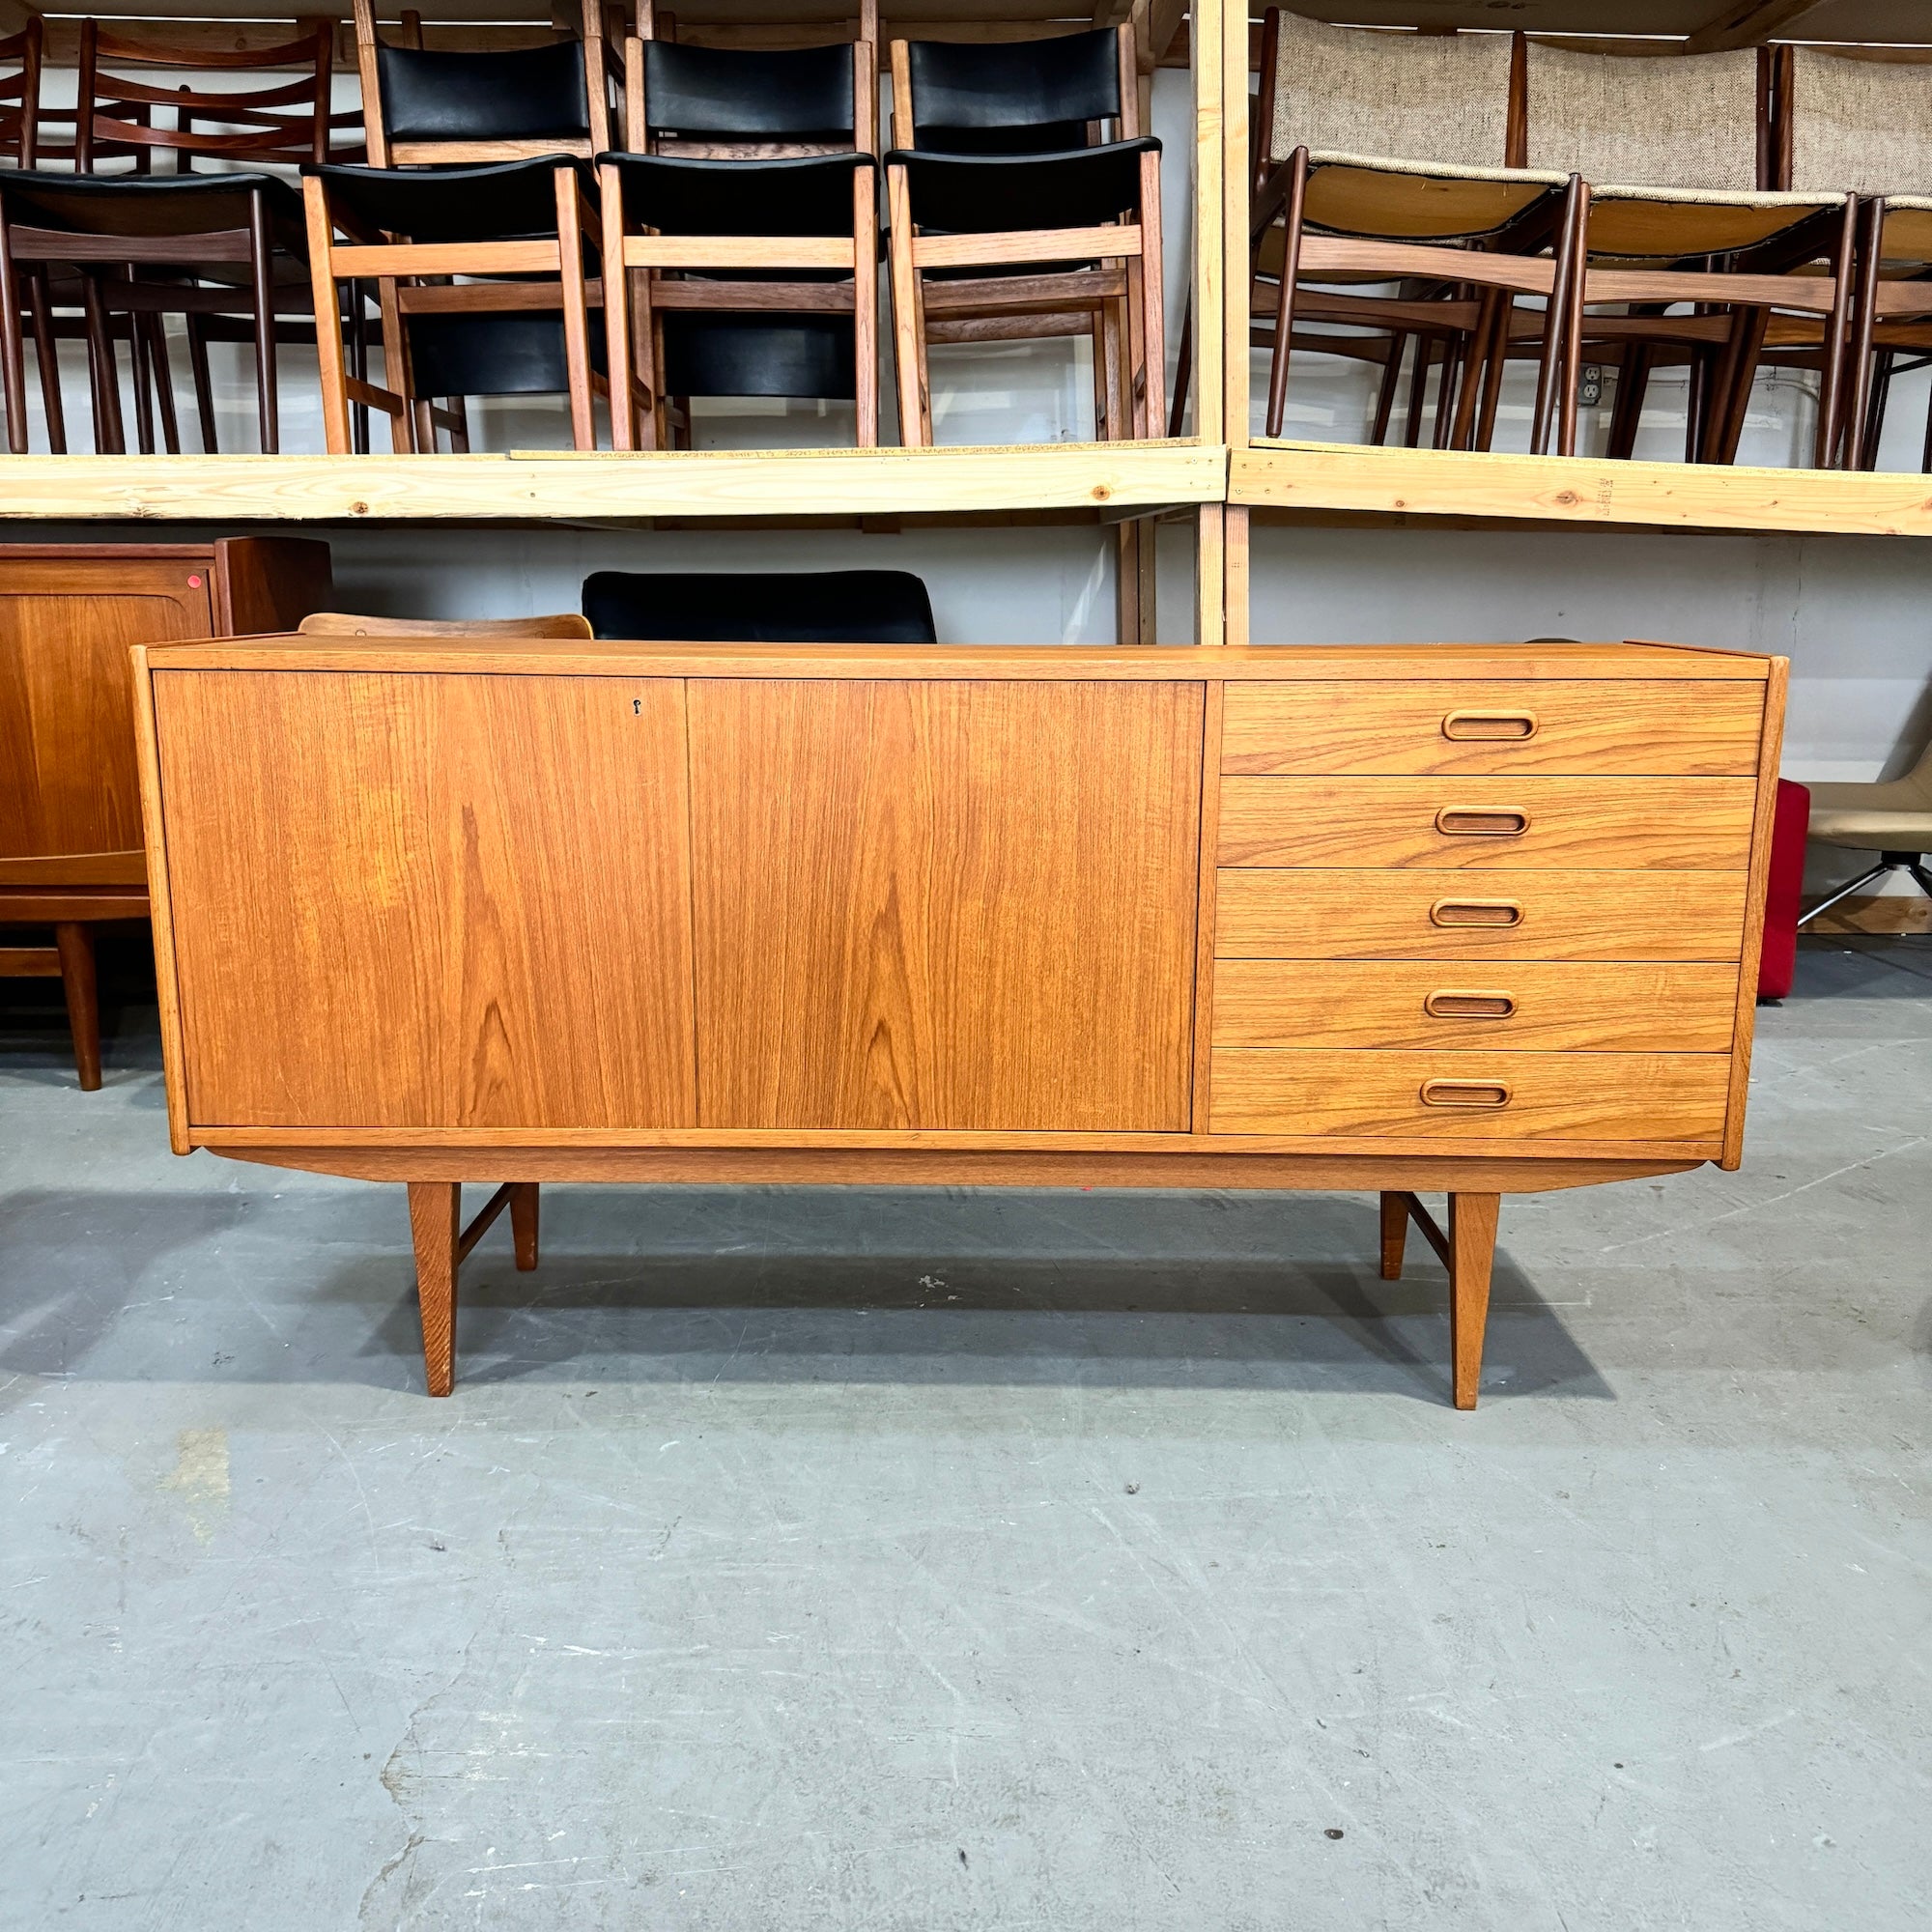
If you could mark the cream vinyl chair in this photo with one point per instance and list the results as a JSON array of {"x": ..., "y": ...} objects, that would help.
[{"x": 1894, "y": 819}]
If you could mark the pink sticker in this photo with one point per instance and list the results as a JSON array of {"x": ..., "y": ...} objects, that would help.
[{"x": 194, "y": 582}]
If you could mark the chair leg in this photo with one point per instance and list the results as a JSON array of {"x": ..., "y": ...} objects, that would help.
[
  {"x": 1920, "y": 878},
  {"x": 1627, "y": 416},
  {"x": 1152, "y": 403},
  {"x": 1418, "y": 390},
  {"x": 142, "y": 365},
  {"x": 436, "y": 1208},
  {"x": 156, "y": 330},
  {"x": 75, "y": 944},
  {"x": 13, "y": 349},
  {"x": 1472, "y": 1244},
  {"x": 109, "y": 433},
  {"x": 1567, "y": 285},
  {"x": 1386, "y": 395},
  {"x": 1183, "y": 372},
  {"x": 576, "y": 313},
  {"x": 261, "y": 266},
  {"x": 203, "y": 385},
  {"x": 1880, "y": 871},
  {"x": 1284, "y": 308},
  {"x": 1837, "y": 419},
  {"x": 908, "y": 332},
  {"x": 47, "y": 352}
]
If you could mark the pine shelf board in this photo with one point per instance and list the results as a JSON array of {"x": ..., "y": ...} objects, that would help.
[
  {"x": 539, "y": 487},
  {"x": 1298, "y": 478}
]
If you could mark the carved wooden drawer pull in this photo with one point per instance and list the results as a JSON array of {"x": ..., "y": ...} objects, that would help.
[
  {"x": 1451, "y": 1004},
  {"x": 1464, "y": 1093},
  {"x": 1475, "y": 912},
  {"x": 1478, "y": 725},
  {"x": 1470, "y": 821}
]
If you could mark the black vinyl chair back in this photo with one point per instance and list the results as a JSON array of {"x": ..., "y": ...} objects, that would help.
[
  {"x": 741, "y": 95},
  {"x": 523, "y": 93},
  {"x": 1013, "y": 96},
  {"x": 808, "y": 606},
  {"x": 809, "y": 356}
]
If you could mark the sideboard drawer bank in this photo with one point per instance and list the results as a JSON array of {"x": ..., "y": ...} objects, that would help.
[{"x": 1481, "y": 920}]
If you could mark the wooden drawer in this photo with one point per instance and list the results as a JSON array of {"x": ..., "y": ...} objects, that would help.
[
  {"x": 1676, "y": 824},
  {"x": 1688, "y": 727},
  {"x": 1473, "y": 1097},
  {"x": 1522, "y": 1007},
  {"x": 1416, "y": 914}
]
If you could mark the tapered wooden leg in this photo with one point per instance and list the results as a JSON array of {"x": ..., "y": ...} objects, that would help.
[
  {"x": 435, "y": 1208},
  {"x": 76, "y": 946},
  {"x": 1395, "y": 1233},
  {"x": 1472, "y": 1247},
  {"x": 524, "y": 1222}
]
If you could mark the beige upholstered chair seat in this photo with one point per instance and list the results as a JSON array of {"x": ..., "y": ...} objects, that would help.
[
  {"x": 1908, "y": 230},
  {"x": 1651, "y": 223},
  {"x": 1417, "y": 201},
  {"x": 1893, "y": 816}
]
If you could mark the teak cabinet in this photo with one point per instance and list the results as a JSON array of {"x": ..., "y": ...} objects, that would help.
[
  {"x": 71, "y": 849},
  {"x": 1476, "y": 919}
]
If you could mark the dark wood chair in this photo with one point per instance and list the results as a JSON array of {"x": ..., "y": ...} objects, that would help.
[
  {"x": 748, "y": 195},
  {"x": 71, "y": 853},
  {"x": 147, "y": 242},
  {"x": 1010, "y": 221},
  {"x": 778, "y": 606},
  {"x": 1388, "y": 162},
  {"x": 1677, "y": 211}
]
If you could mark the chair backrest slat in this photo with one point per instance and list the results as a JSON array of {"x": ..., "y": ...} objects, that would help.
[
  {"x": 1860, "y": 126},
  {"x": 1686, "y": 121},
  {"x": 1440, "y": 98},
  {"x": 20, "y": 95}
]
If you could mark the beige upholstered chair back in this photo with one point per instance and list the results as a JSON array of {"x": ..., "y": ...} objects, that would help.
[
  {"x": 1440, "y": 98},
  {"x": 1860, "y": 126},
  {"x": 1662, "y": 120}
]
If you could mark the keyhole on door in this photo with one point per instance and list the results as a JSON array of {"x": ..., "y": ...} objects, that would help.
[{"x": 637, "y": 707}]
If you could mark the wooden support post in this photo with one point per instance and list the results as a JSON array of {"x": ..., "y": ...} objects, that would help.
[
  {"x": 435, "y": 1206},
  {"x": 1210, "y": 575},
  {"x": 1472, "y": 1242},
  {"x": 1235, "y": 628}
]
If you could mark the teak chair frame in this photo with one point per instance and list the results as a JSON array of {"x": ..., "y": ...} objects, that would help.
[
  {"x": 418, "y": 279},
  {"x": 1120, "y": 304},
  {"x": 638, "y": 268}
]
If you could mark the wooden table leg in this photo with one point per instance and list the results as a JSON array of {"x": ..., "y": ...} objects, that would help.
[
  {"x": 1395, "y": 1235},
  {"x": 436, "y": 1208},
  {"x": 76, "y": 946},
  {"x": 524, "y": 1222},
  {"x": 1472, "y": 1243}
]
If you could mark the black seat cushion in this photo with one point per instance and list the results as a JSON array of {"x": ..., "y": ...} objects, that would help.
[
  {"x": 492, "y": 353},
  {"x": 153, "y": 207},
  {"x": 521, "y": 94},
  {"x": 802, "y": 195},
  {"x": 792, "y": 606},
  {"x": 984, "y": 194},
  {"x": 496, "y": 201},
  {"x": 1013, "y": 96},
  {"x": 804, "y": 355},
  {"x": 749, "y": 93}
]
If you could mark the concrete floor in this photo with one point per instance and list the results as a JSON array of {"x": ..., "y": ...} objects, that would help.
[{"x": 927, "y": 1561}]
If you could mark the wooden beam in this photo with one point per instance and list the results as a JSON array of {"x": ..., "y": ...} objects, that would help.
[{"x": 1745, "y": 23}]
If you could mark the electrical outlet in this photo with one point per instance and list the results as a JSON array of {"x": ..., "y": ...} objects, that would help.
[{"x": 1590, "y": 386}]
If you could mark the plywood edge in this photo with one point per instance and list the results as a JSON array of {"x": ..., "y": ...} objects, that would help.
[
  {"x": 565, "y": 485},
  {"x": 1771, "y": 744},
  {"x": 160, "y": 913},
  {"x": 1582, "y": 490}
]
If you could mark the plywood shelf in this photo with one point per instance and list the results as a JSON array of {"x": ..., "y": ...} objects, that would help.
[
  {"x": 1108, "y": 479},
  {"x": 1320, "y": 481}
]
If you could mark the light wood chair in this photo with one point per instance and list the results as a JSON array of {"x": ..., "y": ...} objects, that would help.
[
  {"x": 1388, "y": 159},
  {"x": 1675, "y": 209},
  {"x": 557, "y": 624},
  {"x": 1009, "y": 222},
  {"x": 749, "y": 189}
]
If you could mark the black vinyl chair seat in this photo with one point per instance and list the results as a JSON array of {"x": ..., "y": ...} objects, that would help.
[
  {"x": 809, "y": 194},
  {"x": 493, "y": 200},
  {"x": 984, "y": 194},
  {"x": 802, "y": 607},
  {"x": 521, "y": 94},
  {"x": 806, "y": 356},
  {"x": 495, "y": 354},
  {"x": 745, "y": 93},
  {"x": 153, "y": 207}
]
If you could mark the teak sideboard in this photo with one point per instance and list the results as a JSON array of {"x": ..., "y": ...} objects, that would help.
[{"x": 1481, "y": 920}]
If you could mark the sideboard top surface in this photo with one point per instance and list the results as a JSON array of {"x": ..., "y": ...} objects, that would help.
[{"x": 1270, "y": 663}]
